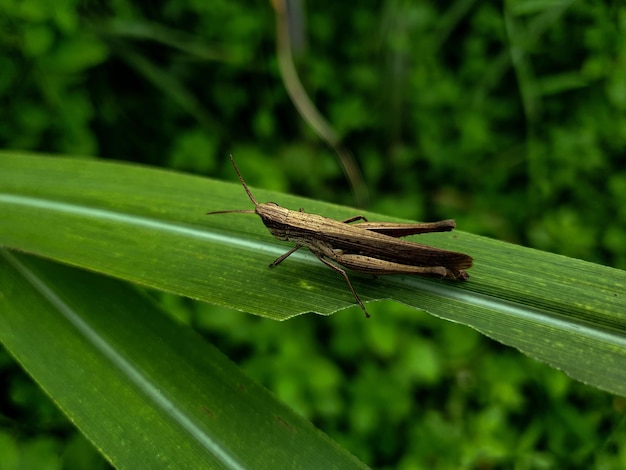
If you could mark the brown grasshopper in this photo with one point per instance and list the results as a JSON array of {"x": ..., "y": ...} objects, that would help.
[{"x": 366, "y": 247}]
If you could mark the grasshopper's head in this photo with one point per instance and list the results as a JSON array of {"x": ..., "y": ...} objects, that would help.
[{"x": 275, "y": 219}]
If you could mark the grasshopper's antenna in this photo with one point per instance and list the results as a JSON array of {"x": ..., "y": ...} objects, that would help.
[{"x": 245, "y": 186}]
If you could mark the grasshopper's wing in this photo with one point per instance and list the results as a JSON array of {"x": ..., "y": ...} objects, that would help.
[
  {"x": 402, "y": 230},
  {"x": 371, "y": 240}
]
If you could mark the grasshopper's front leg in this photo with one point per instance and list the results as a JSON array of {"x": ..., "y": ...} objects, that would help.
[{"x": 282, "y": 258}]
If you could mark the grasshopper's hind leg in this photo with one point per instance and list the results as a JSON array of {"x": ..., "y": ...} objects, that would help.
[{"x": 345, "y": 276}]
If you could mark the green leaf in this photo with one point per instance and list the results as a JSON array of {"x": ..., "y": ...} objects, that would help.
[
  {"x": 147, "y": 392},
  {"x": 147, "y": 226}
]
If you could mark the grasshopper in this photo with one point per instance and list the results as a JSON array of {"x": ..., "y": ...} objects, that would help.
[{"x": 366, "y": 247}]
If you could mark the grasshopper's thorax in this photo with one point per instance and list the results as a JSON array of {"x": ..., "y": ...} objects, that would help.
[{"x": 275, "y": 219}]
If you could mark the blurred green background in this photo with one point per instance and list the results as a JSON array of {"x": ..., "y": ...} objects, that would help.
[{"x": 508, "y": 116}]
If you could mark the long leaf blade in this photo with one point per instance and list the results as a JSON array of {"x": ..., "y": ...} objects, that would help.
[
  {"x": 147, "y": 392},
  {"x": 147, "y": 226}
]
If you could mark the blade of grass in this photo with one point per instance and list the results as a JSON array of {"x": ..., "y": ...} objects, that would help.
[
  {"x": 147, "y": 226},
  {"x": 147, "y": 392}
]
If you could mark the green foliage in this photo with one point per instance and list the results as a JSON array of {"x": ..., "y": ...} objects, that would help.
[{"x": 510, "y": 117}]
